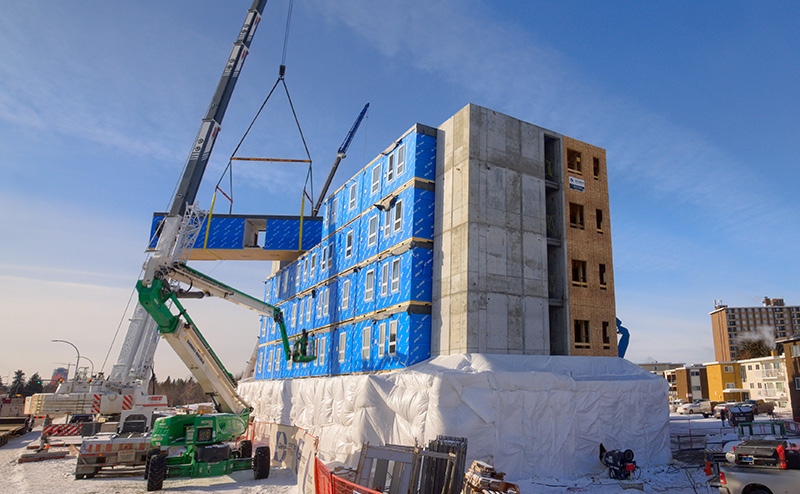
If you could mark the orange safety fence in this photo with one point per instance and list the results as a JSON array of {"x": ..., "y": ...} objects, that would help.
[{"x": 328, "y": 483}]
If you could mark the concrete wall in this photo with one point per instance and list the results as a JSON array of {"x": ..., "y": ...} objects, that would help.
[{"x": 490, "y": 248}]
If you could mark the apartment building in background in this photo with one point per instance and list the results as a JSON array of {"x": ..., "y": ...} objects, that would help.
[
  {"x": 765, "y": 379},
  {"x": 724, "y": 381},
  {"x": 689, "y": 383},
  {"x": 791, "y": 356},
  {"x": 732, "y": 325}
]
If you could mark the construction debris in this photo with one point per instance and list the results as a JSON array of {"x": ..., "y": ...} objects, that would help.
[{"x": 482, "y": 478}]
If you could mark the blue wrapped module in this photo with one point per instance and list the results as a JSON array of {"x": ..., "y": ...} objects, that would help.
[
  {"x": 227, "y": 234},
  {"x": 363, "y": 293}
]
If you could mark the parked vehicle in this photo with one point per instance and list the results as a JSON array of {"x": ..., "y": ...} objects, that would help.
[
  {"x": 722, "y": 406},
  {"x": 674, "y": 404},
  {"x": 698, "y": 406},
  {"x": 759, "y": 406},
  {"x": 760, "y": 467}
]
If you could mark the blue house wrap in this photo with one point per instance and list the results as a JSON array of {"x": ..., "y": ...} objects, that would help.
[{"x": 363, "y": 290}]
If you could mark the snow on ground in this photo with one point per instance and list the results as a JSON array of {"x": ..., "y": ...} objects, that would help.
[{"x": 58, "y": 476}]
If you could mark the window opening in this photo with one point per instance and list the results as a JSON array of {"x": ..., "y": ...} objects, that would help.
[
  {"x": 582, "y": 334},
  {"x": 390, "y": 168},
  {"x": 576, "y": 216},
  {"x": 596, "y": 168},
  {"x": 373, "y": 230},
  {"x": 401, "y": 159},
  {"x": 342, "y": 345},
  {"x": 602, "y": 273},
  {"x": 393, "y": 338},
  {"x": 574, "y": 161},
  {"x": 384, "y": 279},
  {"x": 382, "y": 340},
  {"x": 395, "y": 275},
  {"x": 376, "y": 179},
  {"x": 369, "y": 290},
  {"x": 348, "y": 250},
  {"x": 353, "y": 196},
  {"x": 365, "y": 340},
  {"x": 398, "y": 216},
  {"x": 579, "y": 273},
  {"x": 598, "y": 216},
  {"x": 345, "y": 294}
]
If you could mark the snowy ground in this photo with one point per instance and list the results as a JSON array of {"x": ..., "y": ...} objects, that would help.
[{"x": 57, "y": 476}]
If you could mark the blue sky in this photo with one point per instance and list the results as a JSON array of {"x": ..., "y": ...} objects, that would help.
[{"x": 695, "y": 104}]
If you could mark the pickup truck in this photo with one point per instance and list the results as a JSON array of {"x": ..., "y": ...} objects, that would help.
[{"x": 760, "y": 467}]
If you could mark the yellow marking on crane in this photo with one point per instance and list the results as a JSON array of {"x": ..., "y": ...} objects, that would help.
[{"x": 279, "y": 160}]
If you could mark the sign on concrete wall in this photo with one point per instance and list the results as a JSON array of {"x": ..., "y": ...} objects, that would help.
[{"x": 577, "y": 184}]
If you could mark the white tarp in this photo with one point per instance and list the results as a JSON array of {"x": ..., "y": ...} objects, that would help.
[{"x": 528, "y": 415}]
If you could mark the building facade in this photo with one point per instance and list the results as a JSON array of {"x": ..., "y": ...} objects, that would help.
[
  {"x": 765, "y": 379},
  {"x": 791, "y": 355},
  {"x": 724, "y": 381},
  {"x": 484, "y": 235},
  {"x": 689, "y": 383},
  {"x": 733, "y": 325}
]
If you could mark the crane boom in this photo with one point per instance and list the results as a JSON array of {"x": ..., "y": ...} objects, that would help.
[
  {"x": 206, "y": 137},
  {"x": 340, "y": 155}
]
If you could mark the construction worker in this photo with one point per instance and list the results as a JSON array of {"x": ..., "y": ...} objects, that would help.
[{"x": 300, "y": 346}]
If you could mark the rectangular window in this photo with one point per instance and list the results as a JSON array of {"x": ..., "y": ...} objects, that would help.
[
  {"x": 398, "y": 216},
  {"x": 602, "y": 274},
  {"x": 727, "y": 368},
  {"x": 294, "y": 315},
  {"x": 373, "y": 230},
  {"x": 348, "y": 249},
  {"x": 376, "y": 179},
  {"x": 606, "y": 336},
  {"x": 269, "y": 361},
  {"x": 325, "y": 298},
  {"x": 579, "y": 273},
  {"x": 395, "y": 275},
  {"x": 381, "y": 340},
  {"x": 401, "y": 159},
  {"x": 596, "y": 168},
  {"x": 576, "y": 216},
  {"x": 795, "y": 351},
  {"x": 369, "y": 289},
  {"x": 598, "y": 217},
  {"x": 365, "y": 342},
  {"x": 323, "y": 343},
  {"x": 574, "y": 161},
  {"x": 313, "y": 264},
  {"x": 345, "y": 294},
  {"x": 330, "y": 255},
  {"x": 298, "y": 275},
  {"x": 289, "y": 364},
  {"x": 319, "y": 306},
  {"x": 393, "y": 338},
  {"x": 797, "y": 383},
  {"x": 390, "y": 168},
  {"x": 353, "y": 196},
  {"x": 387, "y": 223},
  {"x": 582, "y": 334},
  {"x": 384, "y": 279},
  {"x": 309, "y": 309},
  {"x": 323, "y": 259},
  {"x": 342, "y": 345},
  {"x": 730, "y": 385},
  {"x": 333, "y": 211},
  {"x": 305, "y": 269}
]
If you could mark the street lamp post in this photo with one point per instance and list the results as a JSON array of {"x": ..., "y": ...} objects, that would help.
[
  {"x": 90, "y": 361},
  {"x": 78, "y": 360}
]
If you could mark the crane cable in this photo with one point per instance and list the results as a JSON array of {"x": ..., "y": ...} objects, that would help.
[{"x": 309, "y": 180}]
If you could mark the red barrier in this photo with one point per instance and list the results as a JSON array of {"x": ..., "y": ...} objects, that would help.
[{"x": 327, "y": 483}]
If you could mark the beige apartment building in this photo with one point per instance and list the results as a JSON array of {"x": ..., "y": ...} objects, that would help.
[{"x": 731, "y": 325}]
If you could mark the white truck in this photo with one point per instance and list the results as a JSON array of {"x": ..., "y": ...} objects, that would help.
[{"x": 760, "y": 467}]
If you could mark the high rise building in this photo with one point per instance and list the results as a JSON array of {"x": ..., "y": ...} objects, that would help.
[
  {"x": 733, "y": 325},
  {"x": 484, "y": 235}
]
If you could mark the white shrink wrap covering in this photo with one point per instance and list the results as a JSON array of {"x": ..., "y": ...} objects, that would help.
[{"x": 528, "y": 415}]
